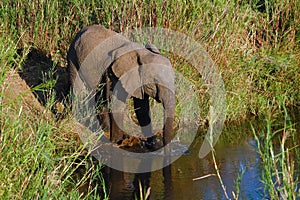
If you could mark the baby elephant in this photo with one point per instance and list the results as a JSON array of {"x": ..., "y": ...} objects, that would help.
[{"x": 112, "y": 67}]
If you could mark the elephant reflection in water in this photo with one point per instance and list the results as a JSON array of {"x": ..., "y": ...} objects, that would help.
[
  {"x": 99, "y": 56},
  {"x": 131, "y": 186}
]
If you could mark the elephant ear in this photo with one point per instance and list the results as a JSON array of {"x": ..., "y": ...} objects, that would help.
[
  {"x": 152, "y": 48},
  {"x": 124, "y": 58},
  {"x": 125, "y": 67},
  {"x": 155, "y": 70}
]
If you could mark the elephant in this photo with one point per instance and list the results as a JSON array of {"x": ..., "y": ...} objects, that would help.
[{"x": 99, "y": 56}]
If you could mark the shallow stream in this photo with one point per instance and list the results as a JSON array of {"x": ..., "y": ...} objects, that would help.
[
  {"x": 178, "y": 181},
  {"x": 190, "y": 177}
]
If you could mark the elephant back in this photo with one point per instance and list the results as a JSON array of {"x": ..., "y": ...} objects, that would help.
[
  {"x": 96, "y": 48},
  {"x": 90, "y": 52}
]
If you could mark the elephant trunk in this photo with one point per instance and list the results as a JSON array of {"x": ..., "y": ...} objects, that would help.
[
  {"x": 169, "y": 106},
  {"x": 168, "y": 130}
]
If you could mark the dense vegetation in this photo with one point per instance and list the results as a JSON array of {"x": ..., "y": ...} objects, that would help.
[{"x": 255, "y": 44}]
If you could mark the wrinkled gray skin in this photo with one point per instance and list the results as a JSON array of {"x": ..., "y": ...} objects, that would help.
[{"x": 98, "y": 55}]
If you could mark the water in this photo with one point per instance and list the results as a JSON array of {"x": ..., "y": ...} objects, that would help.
[
  {"x": 236, "y": 152},
  {"x": 176, "y": 182}
]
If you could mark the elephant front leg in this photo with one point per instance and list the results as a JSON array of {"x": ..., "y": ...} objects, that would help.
[{"x": 142, "y": 111}]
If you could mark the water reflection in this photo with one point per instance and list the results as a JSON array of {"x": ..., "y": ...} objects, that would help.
[
  {"x": 176, "y": 181},
  {"x": 127, "y": 185}
]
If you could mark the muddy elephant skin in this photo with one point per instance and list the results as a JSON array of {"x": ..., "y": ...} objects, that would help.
[{"x": 101, "y": 56}]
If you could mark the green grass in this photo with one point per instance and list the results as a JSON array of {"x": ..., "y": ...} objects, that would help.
[
  {"x": 40, "y": 158},
  {"x": 256, "y": 48},
  {"x": 279, "y": 154}
]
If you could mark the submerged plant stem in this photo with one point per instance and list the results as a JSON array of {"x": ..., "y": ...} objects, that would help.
[{"x": 219, "y": 175}]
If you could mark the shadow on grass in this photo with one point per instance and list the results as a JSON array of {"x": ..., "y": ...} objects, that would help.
[{"x": 49, "y": 81}]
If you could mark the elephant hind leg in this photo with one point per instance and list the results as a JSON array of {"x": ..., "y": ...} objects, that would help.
[
  {"x": 102, "y": 104},
  {"x": 103, "y": 118},
  {"x": 117, "y": 135}
]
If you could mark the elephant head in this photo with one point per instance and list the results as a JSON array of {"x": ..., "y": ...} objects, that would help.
[
  {"x": 129, "y": 70},
  {"x": 143, "y": 73}
]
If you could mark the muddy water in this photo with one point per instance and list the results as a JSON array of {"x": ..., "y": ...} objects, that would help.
[{"x": 176, "y": 181}]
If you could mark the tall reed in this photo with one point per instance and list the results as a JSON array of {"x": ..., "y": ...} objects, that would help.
[{"x": 279, "y": 171}]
